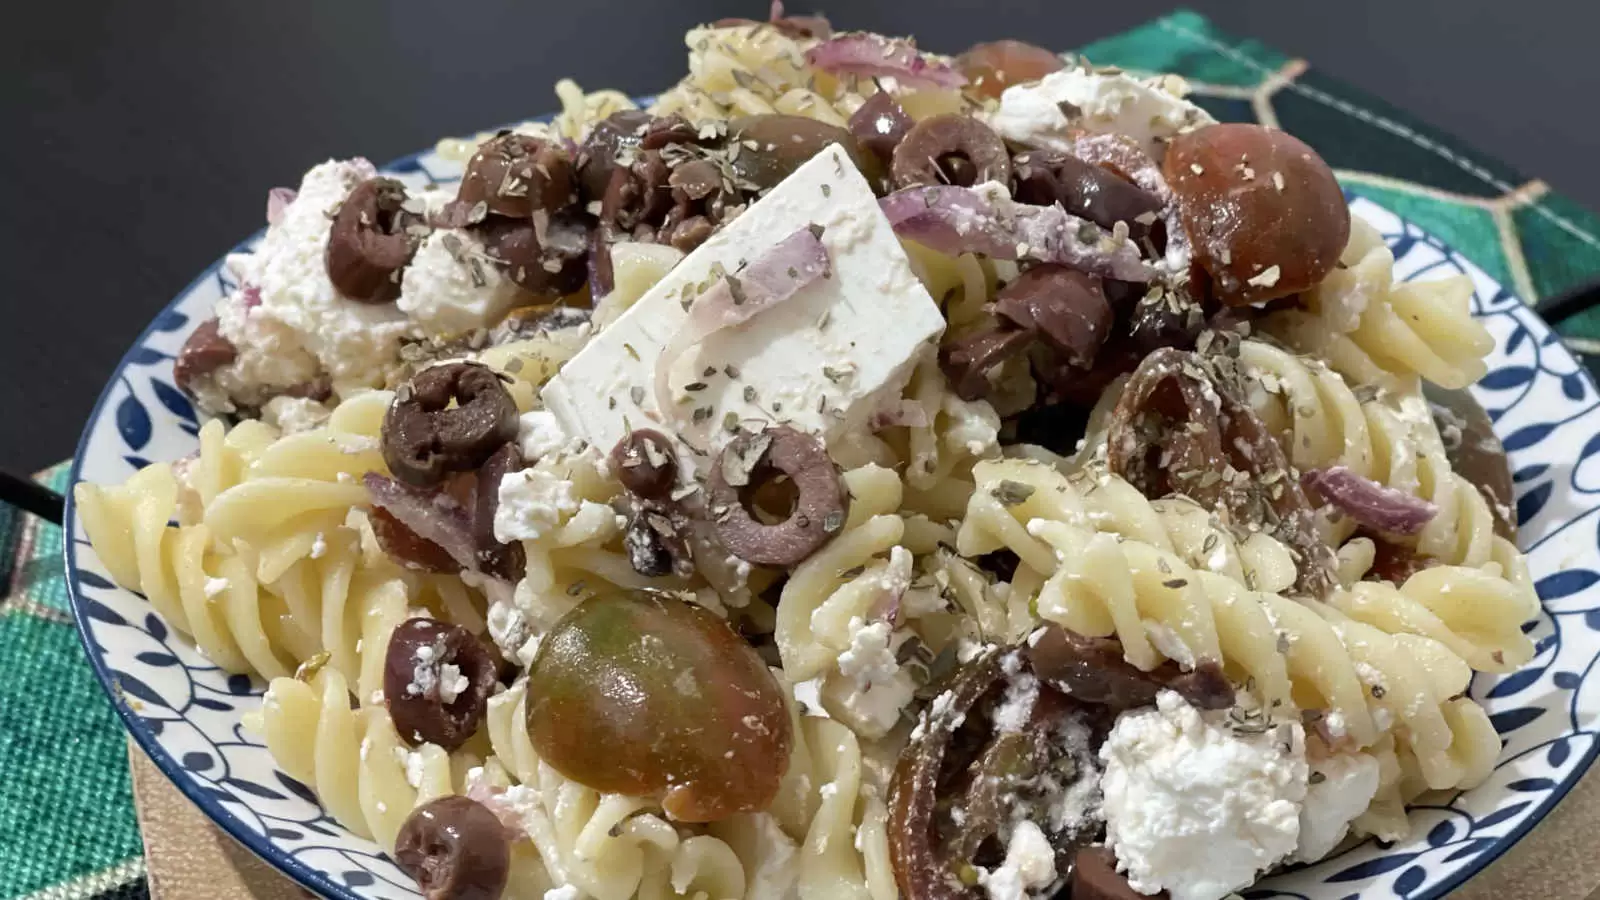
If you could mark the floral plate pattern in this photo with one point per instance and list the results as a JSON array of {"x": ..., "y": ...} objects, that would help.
[{"x": 186, "y": 713}]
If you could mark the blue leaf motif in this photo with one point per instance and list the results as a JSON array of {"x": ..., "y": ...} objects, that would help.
[
  {"x": 1373, "y": 867},
  {"x": 156, "y": 726},
  {"x": 214, "y": 705},
  {"x": 1516, "y": 681},
  {"x": 1558, "y": 753},
  {"x": 1527, "y": 436},
  {"x": 1471, "y": 848},
  {"x": 1500, "y": 815},
  {"x": 146, "y": 356},
  {"x": 1409, "y": 881},
  {"x": 1544, "y": 643},
  {"x": 1529, "y": 504},
  {"x": 169, "y": 321},
  {"x": 256, "y": 790},
  {"x": 133, "y": 423},
  {"x": 1565, "y": 584},
  {"x": 136, "y": 688},
  {"x": 313, "y": 826},
  {"x": 174, "y": 400},
  {"x": 94, "y": 581},
  {"x": 1495, "y": 413},
  {"x": 102, "y": 613},
  {"x": 156, "y": 627},
  {"x": 198, "y": 761},
  {"x": 356, "y": 878},
  {"x": 1518, "y": 335},
  {"x": 1528, "y": 473},
  {"x": 1567, "y": 681},
  {"x": 189, "y": 428},
  {"x": 1509, "y": 377},
  {"x": 296, "y": 788},
  {"x": 1512, "y": 719},
  {"x": 239, "y": 685},
  {"x": 1572, "y": 386},
  {"x": 1441, "y": 834},
  {"x": 284, "y": 834},
  {"x": 159, "y": 660},
  {"x": 136, "y": 461},
  {"x": 1592, "y": 619},
  {"x": 1402, "y": 245},
  {"x": 1532, "y": 785}
]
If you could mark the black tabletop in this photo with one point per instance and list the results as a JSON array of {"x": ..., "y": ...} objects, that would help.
[{"x": 139, "y": 138}]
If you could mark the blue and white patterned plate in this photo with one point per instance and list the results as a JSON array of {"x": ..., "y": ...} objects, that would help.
[{"x": 186, "y": 712}]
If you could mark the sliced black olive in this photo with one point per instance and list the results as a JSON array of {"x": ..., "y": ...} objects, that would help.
[
  {"x": 425, "y": 438},
  {"x": 436, "y": 682},
  {"x": 456, "y": 849}
]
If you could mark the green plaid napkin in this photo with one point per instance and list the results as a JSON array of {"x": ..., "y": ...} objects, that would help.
[{"x": 67, "y": 828}]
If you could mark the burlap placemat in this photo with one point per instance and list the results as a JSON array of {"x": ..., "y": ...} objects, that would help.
[{"x": 62, "y": 749}]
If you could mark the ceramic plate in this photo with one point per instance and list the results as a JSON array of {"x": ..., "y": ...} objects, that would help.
[{"x": 186, "y": 713}]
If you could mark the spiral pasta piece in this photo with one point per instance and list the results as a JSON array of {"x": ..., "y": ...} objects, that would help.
[
  {"x": 1476, "y": 614},
  {"x": 611, "y": 847},
  {"x": 354, "y": 759},
  {"x": 272, "y": 560},
  {"x": 1372, "y": 330},
  {"x": 1389, "y": 437},
  {"x": 1293, "y": 656}
]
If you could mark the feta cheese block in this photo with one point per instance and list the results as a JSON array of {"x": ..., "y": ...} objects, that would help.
[
  {"x": 819, "y": 361},
  {"x": 1041, "y": 113}
]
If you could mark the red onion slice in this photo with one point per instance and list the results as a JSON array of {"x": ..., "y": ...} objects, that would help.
[
  {"x": 433, "y": 515},
  {"x": 278, "y": 199},
  {"x": 986, "y": 220},
  {"x": 1368, "y": 502},
  {"x": 792, "y": 264},
  {"x": 869, "y": 55}
]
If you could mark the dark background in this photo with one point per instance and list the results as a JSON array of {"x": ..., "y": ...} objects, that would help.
[{"x": 138, "y": 138}]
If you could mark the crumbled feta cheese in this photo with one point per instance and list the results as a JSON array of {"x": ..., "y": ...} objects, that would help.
[
  {"x": 451, "y": 287},
  {"x": 413, "y": 764},
  {"x": 1014, "y": 711},
  {"x": 510, "y": 631},
  {"x": 319, "y": 546},
  {"x": 973, "y": 428},
  {"x": 1030, "y": 865},
  {"x": 1194, "y": 808},
  {"x": 869, "y": 659},
  {"x": 292, "y": 415},
  {"x": 1151, "y": 111},
  {"x": 539, "y": 434},
  {"x": 451, "y": 683},
  {"x": 532, "y": 503},
  {"x": 215, "y": 586},
  {"x": 870, "y": 317},
  {"x": 777, "y": 855},
  {"x": 1339, "y": 789},
  {"x": 564, "y": 892},
  {"x": 287, "y": 318},
  {"x": 809, "y": 695}
]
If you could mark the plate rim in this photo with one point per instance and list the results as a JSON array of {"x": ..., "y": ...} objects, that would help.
[{"x": 322, "y": 883}]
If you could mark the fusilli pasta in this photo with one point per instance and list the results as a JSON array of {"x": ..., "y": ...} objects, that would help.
[{"x": 1372, "y": 330}]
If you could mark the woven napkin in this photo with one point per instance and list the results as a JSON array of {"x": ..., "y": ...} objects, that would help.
[{"x": 68, "y": 829}]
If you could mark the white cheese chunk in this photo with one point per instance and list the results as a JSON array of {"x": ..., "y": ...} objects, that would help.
[
  {"x": 451, "y": 287},
  {"x": 532, "y": 503},
  {"x": 1151, "y": 111},
  {"x": 1196, "y": 808},
  {"x": 818, "y": 361},
  {"x": 1030, "y": 865},
  {"x": 1341, "y": 788}
]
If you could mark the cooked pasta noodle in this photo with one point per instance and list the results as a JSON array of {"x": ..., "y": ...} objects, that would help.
[
  {"x": 1372, "y": 330},
  {"x": 1389, "y": 437}
]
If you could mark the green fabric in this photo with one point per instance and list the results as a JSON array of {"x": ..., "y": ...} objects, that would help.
[{"x": 66, "y": 815}]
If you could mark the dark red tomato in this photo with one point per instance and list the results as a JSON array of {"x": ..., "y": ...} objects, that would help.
[
  {"x": 1265, "y": 215},
  {"x": 643, "y": 694},
  {"x": 996, "y": 65}
]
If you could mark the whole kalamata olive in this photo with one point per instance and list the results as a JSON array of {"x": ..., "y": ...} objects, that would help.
[
  {"x": 773, "y": 146},
  {"x": 436, "y": 682},
  {"x": 514, "y": 174},
  {"x": 1262, "y": 209},
  {"x": 456, "y": 849},
  {"x": 645, "y": 463},
  {"x": 614, "y": 134},
  {"x": 204, "y": 352},
  {"x": 644, "y": 694},
  {"x": 993, "y": 66}
]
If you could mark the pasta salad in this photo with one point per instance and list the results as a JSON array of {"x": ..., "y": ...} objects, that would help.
[{"x": 864, "y": 473}]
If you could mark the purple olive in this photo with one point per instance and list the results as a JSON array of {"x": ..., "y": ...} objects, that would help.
[
  {"x": 436, "y": 682},
  {"x": 456, "y": 849}
]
